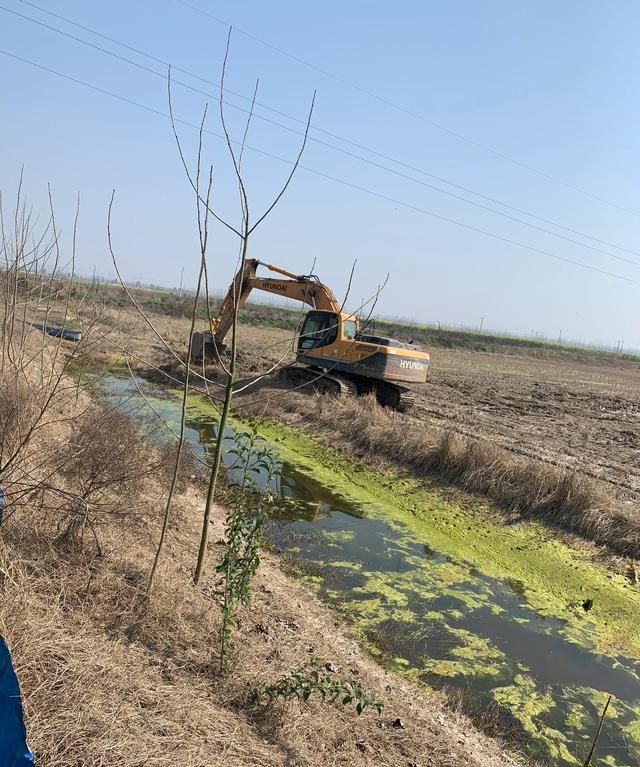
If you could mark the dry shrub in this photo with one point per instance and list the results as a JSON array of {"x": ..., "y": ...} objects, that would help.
[
  {"x": 84, "y": 465},
  {"x": 190, "y": 469},
  {"x": 105, "y": 461},
  {"x": 106, "y": 456},
  {"x": 19, "y": 410}
]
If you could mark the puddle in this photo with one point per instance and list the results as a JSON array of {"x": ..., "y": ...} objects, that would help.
[{"x": 440, "y": 618}]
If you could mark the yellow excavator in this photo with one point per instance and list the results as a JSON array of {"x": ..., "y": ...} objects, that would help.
[{"x": 333, "y": 354}]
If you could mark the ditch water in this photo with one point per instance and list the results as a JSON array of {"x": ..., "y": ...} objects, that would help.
[{"x": 437, "y": 617}]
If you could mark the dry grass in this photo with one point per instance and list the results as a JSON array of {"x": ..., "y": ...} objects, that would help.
[
  {"x": 18, "y": 411},
  {"x": 532, "y": 489},
  {"x": 95, "y": 699}
]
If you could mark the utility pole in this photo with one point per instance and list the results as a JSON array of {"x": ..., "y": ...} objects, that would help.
[
  {"x": 181, "y": 276},
  {"x": 481, "y": 323}
]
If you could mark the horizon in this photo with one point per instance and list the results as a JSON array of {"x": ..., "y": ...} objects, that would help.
[{"x": 265, "y": 299}]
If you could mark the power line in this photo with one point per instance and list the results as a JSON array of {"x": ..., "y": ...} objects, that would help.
[
  {"x": 327, "y": 176},
  {"x": 404, "y": 110},
  {"x": 319, "y": 141},
  {"x": 349, "y": 142}
]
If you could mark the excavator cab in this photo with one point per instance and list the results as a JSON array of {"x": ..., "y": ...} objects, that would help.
[
  {"x": 322, "y": 328},
  {"x": 319, "y": 329}
]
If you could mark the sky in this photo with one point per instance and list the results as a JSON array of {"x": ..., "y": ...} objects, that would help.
[{"x": 529, "y": 106}]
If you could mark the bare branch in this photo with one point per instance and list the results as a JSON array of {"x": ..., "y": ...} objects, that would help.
[
  {"x": 183, "y": 160},
  {"x": 293, "y": 170}
]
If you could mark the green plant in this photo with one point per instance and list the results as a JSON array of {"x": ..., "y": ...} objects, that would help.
[
  {"x": 251, "y": 499},
  {"x": 302, "y": 682}
]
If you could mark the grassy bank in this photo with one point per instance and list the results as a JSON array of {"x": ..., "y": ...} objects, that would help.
[
  {"x": 555, "y": 575},
  {"x": 558, "y": 498}
]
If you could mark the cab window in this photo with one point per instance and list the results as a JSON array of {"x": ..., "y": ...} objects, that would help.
[
  {"x": 318, "y": 330},
  {"x": 350, "y": 328}
]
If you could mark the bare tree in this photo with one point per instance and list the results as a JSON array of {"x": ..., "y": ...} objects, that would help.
[
  {"x": 192, "y": 378},
  {"x": 39, "y": 391},
  {"x": 202, "y": 208},
  {"x": 244, "y": 233}
]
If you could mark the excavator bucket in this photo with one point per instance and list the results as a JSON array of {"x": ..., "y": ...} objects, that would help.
[{"x": 203, "y": 348}]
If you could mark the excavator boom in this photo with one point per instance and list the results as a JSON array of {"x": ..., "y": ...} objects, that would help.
[{"x": 303, "y": 288}]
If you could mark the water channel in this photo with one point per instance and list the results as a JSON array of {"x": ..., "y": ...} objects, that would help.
[{"x": 437, "y": 617}]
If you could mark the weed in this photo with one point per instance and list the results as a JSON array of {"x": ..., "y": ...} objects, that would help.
[
  {"x": 248, "y": 512},
  {"x": 307, "y": 679}
]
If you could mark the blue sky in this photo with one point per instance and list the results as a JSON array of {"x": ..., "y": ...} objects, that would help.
[{"x": 550, "y": 85}]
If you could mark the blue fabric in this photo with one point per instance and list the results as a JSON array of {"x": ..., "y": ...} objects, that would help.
[{"x": 14, "y": 751}]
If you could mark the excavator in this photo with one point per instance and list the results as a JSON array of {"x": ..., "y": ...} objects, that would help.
[{"x": 333, "y": 354}]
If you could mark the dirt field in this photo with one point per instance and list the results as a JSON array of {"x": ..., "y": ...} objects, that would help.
[{"x": 562, "y": 412}]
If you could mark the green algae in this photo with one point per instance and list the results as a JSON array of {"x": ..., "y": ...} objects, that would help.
[
  {"x": 523, "y": 697},
  {"x": 555, "y": 578},
  {"x": 551, "y": 576},
  {"x": 399, "y": 664},
  {"x": 473, "y": 657},
  {"x": 340, "y": 536},
  {"x": 577, "y": 718}
]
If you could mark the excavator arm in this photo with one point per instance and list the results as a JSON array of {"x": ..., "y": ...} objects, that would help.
[{"x": 305, "y": 288}]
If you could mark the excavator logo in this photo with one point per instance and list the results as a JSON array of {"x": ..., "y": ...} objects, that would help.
[
  {"x": 275, "y": 286},
  {"x": 412, "y": 365}
]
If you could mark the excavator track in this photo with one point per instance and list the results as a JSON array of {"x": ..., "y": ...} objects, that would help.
[
  {"x": 318, "y": 380},
  {"x": 396, "y": 397},
  {"x": 407, "y": 400},
  {"x": 388, "y": 395}
]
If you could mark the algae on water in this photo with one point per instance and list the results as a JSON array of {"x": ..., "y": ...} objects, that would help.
[{"x": 446, "y": 593}]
